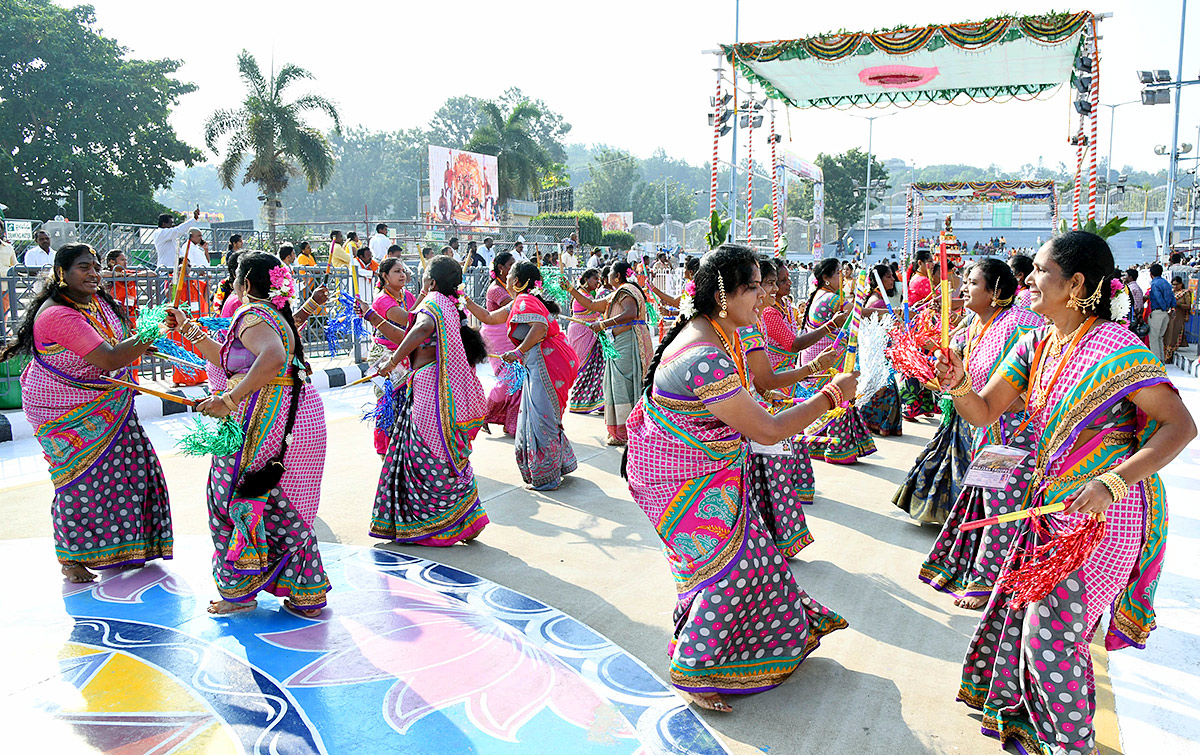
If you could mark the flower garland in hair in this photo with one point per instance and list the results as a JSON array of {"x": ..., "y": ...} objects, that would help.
[
  {"x": 283, "y": 286},
  {"x": 687, "y": 300},
  {"x": 1120, "y": 304}
]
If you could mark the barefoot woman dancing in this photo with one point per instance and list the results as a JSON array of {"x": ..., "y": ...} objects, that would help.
[
  {"x": 742, "y": 624},
  {"x": 110, "y": 498}
]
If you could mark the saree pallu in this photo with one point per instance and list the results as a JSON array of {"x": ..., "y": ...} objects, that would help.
[
  {"x": 267, "y": 542},
  {"x": 110, "y": 497},
  {"x": 623, "y": 376},
  {"x": 544, "y": 453},
  {"x": 742, "y": 624},
  {"x": 967, "y": 564},
  {"x": 502, "y": 408},
  {"x": 587, "y": 395},
  {"x": 427, "y": 493},
  {"x": 853, "y": 438},
  {"x": 1037, "y": 687},
  {"x": 882, "y": 414},
  {"x": 778, "y": 485},
  {"x": 934, "y": 483}
]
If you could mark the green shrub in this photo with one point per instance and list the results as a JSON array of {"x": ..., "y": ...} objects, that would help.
[
  {"x": 590, "y": 229},
  {"x": 620, "y": 240}
]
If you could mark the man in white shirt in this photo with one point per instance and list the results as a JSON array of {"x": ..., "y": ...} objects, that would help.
[
  {"x": 8, "y": 255},
  {"x": 568, "y": 256},
  {"x": 40, "y": 255},
  {"x": 594, "y": 260},
  {"x": 486, "y": 252},
  {"x": 518, "y": 252},
  {"x": 166, "y": 238},
  {"x": 379, "y": 243},
  {"x": 197, "y": 251}
]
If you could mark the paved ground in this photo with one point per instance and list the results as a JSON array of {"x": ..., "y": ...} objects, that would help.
[{"x": 886, "y": 685}]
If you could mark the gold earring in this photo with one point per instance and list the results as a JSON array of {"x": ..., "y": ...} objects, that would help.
[
  {"x": 721, "y": 294},
  {"x": 62, "y": 281},
  {"x": 1088, "y": 303},
  {"x": 1001, "y": 303}
]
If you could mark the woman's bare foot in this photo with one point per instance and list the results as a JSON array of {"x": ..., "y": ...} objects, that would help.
[
  {"x": 77, "y": 573},
  {"x": 225, "y": 607},
  {"x": 308, "y": 613},
  {"x": 711, "y": 701},
  {"x": 971, "y": 602}
]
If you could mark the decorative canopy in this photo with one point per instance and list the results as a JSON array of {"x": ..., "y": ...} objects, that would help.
[
  {"x": 972, "y": 192},
  {"x": 1009, "y": 56}
]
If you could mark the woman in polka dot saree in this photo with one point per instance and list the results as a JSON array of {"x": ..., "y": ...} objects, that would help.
[
  {"x": 742, "y": 624},
  {"x": 262, "y": 499},
  {"x": 1106, "y": 420},
  {"x": 427, "y": 493},
  {"x": 110, "y": 498}
]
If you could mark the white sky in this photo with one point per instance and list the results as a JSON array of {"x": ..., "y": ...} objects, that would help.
[{"x": 630, "y": 74}]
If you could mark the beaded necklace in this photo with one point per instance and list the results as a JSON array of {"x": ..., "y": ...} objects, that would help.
[
  {"x": 95, "y": 316},
  {"x": 738, "y": 354}
]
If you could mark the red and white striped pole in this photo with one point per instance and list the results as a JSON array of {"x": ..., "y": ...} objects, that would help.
[
  {"x": 774, "y": 184},
  {"x": 1093, "y": 141},
  {"x": 712, "y": 189},
  {"x": 750, "y": 168}
]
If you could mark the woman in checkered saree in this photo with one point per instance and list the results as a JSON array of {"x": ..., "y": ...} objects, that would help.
[
  {"x": 1105, "y": 419},
  {"x": 742, "y": 624}
]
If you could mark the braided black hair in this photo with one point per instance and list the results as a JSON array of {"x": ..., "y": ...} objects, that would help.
[
  {"x": 822, "y": 270},
  {"x": 446, "y": 274}
]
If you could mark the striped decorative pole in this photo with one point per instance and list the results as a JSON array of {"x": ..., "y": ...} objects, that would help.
[
  {"x": 774, "y": 184},
  {"x": 750, "y": 167},
  {"x": 1093, "y": 141},
  {"x": 1075, "y": 196},
  {"x": 712, "y": 189}
]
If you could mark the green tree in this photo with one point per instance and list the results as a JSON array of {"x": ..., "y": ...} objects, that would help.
[
  {"x": 648, "y": 202},
  {"x": 612, "y": 176},
  {"x": 520, "y": 159},
  {"x": 455, "y": 122},
  {"x": 269, "y": 130},
  {"x": 548, "y": 130},
  {"x": 77, "y": 114},
  {"x": 845, "y": 175}
]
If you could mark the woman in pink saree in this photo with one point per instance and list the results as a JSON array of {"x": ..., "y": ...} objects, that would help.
[
  {"x": 1106, "y": 419},
  {"x": 263, "y": 498},
  {"x": 502, "y": 406},
  {"x": 741, "y": 623},
  {"x": 110, "y": 498},
  {"x": 537, "y": 342},
  {"x": 392, "y": 303},
  {"x": 427, "y": 493},
  {"x": 587, "y": 396}
]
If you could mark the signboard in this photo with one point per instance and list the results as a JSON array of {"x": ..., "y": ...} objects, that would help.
[
  {"x": 792, "y": 167},
  {"x": 18, "y": 230},
  {"x": 615, "y": 221},
  {"x": 462, "y": 187}
]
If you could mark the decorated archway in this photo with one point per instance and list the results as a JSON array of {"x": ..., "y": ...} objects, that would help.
[{"x": 971, "y": 192}]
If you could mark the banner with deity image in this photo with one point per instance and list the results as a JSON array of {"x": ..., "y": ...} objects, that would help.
[{"x": 462, "y": 187}]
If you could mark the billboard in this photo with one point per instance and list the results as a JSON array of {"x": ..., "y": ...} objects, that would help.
[
  {"x": 615, "y": 221},
  {"x": 462, "y": 187},
  {"x": 792, "y": 167}
]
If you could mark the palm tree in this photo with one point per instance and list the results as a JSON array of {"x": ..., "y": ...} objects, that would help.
[
  {"x": 520, "y": 160},
  {"x": 269, "y": 131}
]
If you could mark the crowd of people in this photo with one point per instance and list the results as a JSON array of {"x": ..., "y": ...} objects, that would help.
[{"x": 720, "y": 411}]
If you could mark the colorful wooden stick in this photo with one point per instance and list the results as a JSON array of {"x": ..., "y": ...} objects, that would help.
[
  {"x": 860, "y": 292},
  {"x": 151, "y": 392},
  {"x": 1012, "y": 516},
  {"x": 180, "y": 283},
  {"x": 945, "y": 286}
]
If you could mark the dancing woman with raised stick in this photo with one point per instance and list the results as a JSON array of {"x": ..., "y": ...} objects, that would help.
[
  {"x": 1106, "y": 419},
  {"x": 741, "y": 623}
]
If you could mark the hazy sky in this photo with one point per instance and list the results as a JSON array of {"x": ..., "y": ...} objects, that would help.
[{"x": 631, "y": 74}]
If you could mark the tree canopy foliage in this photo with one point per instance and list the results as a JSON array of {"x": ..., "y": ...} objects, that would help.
[{"x": 77, "y": 114}]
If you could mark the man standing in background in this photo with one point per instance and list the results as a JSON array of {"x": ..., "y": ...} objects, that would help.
[
  {"x": 1162, "y": 303},
  {"x": 338, "y": 256},
  {"x": 166, "y": 238},
  {"x": 40, "y": 255},
  {"x": 379, "y": 242}
]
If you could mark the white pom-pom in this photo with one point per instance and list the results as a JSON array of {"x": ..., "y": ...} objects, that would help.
[
  {"x": 1120, "y": 307},
  {"x": 872, "y": 362}
]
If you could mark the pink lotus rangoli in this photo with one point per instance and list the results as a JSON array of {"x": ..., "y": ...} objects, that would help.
[{"x": 897, "y": 77}]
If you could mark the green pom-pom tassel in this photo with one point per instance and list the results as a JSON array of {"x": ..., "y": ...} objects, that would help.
[
  {"x": 946, "y": 404},
  {"x": 652, "y": 315},
  {"x": 149, "y": 323},
  {"x": 552, "y": 287},
  {"x": 607, "y": 347},
  {"x": 203, "y": 440}
]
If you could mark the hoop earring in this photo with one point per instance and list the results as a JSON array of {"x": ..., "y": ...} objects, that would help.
[{"x": 721, "y": 295}]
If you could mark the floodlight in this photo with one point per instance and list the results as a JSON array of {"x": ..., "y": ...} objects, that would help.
[
  {"x": 1145, "y": 77},
  {"x": 1083, "y": 107},
  {"x": 1162, "y": 96},
  {"x": 1160, "y": 149},
  {"x": 1084, "y": 63},
  {"x": 1162, "y": 76},
  {"x": 758, "y": 121},
  {"x": 1185, "y": 148},
  {"x": 1082, "y": 84},
  {"x": 745, "y": 121},
  {"x": 725, "y": 130}
]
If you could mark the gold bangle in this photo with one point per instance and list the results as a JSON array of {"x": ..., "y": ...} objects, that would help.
[
  {"x": 962, "y": 389},
  {"x": 225, "y": 399},
  {"x": 1117, "y": 487}
]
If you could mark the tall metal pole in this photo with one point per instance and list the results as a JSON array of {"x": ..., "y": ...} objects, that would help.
[
  {"x": 737, "y": 6},
  {"x": 867, "y": 223},
  {"x": 1112, "y": 127},
  {"x": 1173, "y": 171}
]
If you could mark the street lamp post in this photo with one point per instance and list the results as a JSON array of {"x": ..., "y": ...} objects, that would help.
[
  {"x": 1112, "y": 127},
  {"x": 1173, "y": 171},
  {"x": 870, "y": 119}
]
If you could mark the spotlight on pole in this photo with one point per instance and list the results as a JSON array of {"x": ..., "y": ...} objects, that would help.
[
  {"x": 1145, "y": 77},
  {"x": 1162, "y": 76}
]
